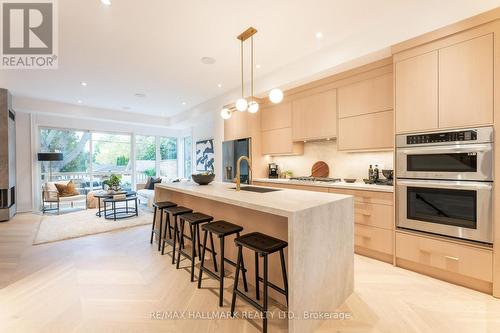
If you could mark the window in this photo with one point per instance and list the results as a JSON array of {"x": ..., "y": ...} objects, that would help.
[
  {"x": 111, "y": 155},
  {"x": 145, "y": 158},
  {"x": 75, "y": 147},
  {"x": 168, "y": 157},
  {"x": 188, "y": 156}
]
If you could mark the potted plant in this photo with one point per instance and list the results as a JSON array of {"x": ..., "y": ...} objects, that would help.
[{"x": 113, "y": 183}]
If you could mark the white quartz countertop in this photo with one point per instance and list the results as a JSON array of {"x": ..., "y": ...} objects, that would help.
[
  {"x": 284, "y": 202},
  {"x": 343, "y": 185}
]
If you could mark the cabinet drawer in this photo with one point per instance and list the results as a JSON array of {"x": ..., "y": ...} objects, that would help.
[
  {"x": 371, "y": 197},
  {"x": 374, "y": 215},
  {"x": 372, "y": 238},
  {"x": 461, "y": 259}
]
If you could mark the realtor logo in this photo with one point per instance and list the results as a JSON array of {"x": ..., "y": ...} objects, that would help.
[{"x": 29, "y": 34}]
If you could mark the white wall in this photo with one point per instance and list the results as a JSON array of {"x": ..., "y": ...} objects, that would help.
[
  {"x": 24, "y": 183},
  {"x": 341, "y": 164}
]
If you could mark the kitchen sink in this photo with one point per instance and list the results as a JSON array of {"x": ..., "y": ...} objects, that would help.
[{"x": 257, "y": 189}]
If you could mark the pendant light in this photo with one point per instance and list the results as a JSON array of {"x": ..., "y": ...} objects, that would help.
[{"x": 243, "y": 104}]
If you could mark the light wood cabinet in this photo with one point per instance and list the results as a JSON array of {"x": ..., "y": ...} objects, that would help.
[
  {"x": 373, "y": 131},
  {"x": 276, "y": 116},
  {"x": 466, "y": 83},
  {"x": 315, "y": 116},
  {"x": 374, "y": 242},
  {"x": 279, "y": 141},
  {"x": 276, "y": 127},
  {"x": 237, "y": 127},
  {"x": 465, "y": 260},
  {"x": 416, "y": 87},
  {"x": 366, "y": 96},
  {"x": 374, "y": 215}
]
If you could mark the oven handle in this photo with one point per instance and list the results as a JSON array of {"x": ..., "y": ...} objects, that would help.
[
  {"x": 458, "y": 185},
  {"x": 471, "y": 148}
]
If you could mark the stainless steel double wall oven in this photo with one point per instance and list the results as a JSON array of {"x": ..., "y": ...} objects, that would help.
[{"x": 445, "y": 183}]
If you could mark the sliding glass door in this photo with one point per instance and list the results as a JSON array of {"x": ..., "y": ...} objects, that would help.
[
  {"x": 168, "y": 157},
  {"x": 145, "y": 158},
  {"x": 75, "y": 147},
  {"x": 111, "y": 155}
]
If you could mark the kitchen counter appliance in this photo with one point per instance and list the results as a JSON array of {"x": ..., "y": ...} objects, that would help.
[
  {"x": 273, "y": 171},
  {"x": 445, "y": 183}
]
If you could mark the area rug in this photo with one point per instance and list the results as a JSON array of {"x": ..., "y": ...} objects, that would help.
[{"x": 83, "y": 223}]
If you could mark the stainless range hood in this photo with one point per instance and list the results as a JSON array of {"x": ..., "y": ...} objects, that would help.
[{"x": 7, "y": 157}]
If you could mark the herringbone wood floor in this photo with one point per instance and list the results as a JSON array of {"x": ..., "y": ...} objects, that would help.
[{"x": 113, "y": 282}]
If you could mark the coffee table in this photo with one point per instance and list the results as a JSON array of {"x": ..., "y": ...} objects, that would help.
[
  {"x": 118, "y": 213},
  {"x": 104, "y": 195}
]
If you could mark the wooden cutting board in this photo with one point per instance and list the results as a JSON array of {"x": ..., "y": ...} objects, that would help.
[{"x": 320, "y": 169}]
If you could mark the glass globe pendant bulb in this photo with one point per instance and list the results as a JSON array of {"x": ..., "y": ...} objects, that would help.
[
  {"x": 276, "y": 95},
  {"x": 225, "y": 113},
  {"x": 253, "y": 107},
  {"x": 241, "y": 104}
]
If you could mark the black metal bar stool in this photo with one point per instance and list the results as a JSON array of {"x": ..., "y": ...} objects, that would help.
[
  {"x": 175, "y": 212},
  {"x": 194, "y": 220},
  {"x": 263, "y": 245},
  {"x": 160, "y": 206},
  {"x": 221, "y": 229}
]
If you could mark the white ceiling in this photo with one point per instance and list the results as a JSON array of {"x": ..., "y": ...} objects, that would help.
[{"x": 154, "y": 47}]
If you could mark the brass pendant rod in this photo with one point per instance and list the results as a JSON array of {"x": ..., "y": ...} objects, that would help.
[
  {"x": 242, "y": 81},
  {"x": 251, "y": 42}
]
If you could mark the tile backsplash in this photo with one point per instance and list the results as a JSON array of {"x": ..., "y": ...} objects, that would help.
[{"x": 341, "y": 164}]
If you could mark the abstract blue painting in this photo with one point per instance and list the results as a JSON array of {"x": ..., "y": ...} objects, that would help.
[{"x": 205, "y": 156}]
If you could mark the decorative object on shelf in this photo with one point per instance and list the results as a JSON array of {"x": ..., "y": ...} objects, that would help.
[
  {"x": 50, "y": 157},
  {"x": 203, "y": 178},
  {"x": 112, "y": 183},
  {"x": 205, "y": 155},
  {"x": 350, "y": 180},
  {"x": 249, "y": 104}
]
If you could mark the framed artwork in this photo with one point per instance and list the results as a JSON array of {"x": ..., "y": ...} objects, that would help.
[{"x": 205, "y": 156}]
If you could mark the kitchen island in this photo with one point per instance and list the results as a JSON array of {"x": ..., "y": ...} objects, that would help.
[{"x": 319, "y": 229}]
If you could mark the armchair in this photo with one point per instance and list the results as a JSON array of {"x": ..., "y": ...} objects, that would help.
[{"x": 50, "y": 196}]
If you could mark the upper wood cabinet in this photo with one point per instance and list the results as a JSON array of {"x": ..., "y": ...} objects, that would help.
[
  {"x": 466, "y": 83},
  {"x": 279, "y": 142},
  {"x": 276, "y": 131},
  {"x": 315, "y": 116},
  {"x": 417, "y": 93},
  {"x": 366, "y": 96},
  {"x": 373, "y": 131},
  {"x": 242, "y": 125},
  {"x": 447, "y": 84},
  {"x": 276, "y": 116}
]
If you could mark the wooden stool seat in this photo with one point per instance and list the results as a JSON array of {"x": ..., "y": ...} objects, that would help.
[
  {"x": 261, "y": 243},
  {"x": 222, "y": 228}
]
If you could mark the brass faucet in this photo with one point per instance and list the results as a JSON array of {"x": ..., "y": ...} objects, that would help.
[{"x": 238, "y": 170}]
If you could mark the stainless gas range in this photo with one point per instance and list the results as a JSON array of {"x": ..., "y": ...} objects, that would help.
[{"x": 445, "y": 183}]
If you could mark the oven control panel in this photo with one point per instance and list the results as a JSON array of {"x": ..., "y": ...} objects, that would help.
[{"x": 467, "y": 135}]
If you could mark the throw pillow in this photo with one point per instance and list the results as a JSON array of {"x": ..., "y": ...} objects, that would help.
[
  {"x": 152, "y": 183},
  {"x": 67, "y": 190},
  {"x": 148, "y": 183}
]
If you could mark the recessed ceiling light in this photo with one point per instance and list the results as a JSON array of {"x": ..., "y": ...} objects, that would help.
[
  {"x": 219, "y": 85},
  {"x": 319, "y": 35},
  {"x": 257, "y": 66},
  {"x": 79, "y": 101},
  {"x": 140, "y": 95},
  {"x": 83, "y": 83},
  {"x": 208, "y": 60},
  {"x": 106, "y": 2},
  {"x": 184, "y": 103}
]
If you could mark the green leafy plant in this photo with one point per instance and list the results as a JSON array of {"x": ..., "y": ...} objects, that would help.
[
  {"x": 113, "y": 182},
  {"x": 151, "y": 172}
]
